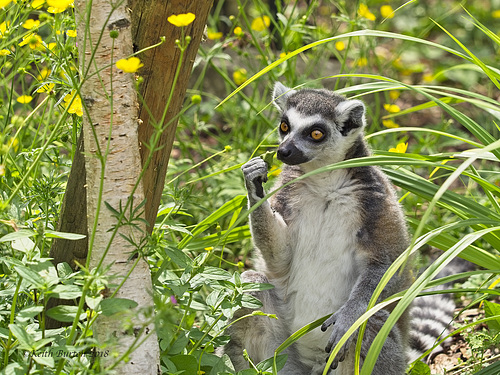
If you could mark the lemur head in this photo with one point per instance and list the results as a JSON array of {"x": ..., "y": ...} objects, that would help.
[{"x": 317, "y": 127}]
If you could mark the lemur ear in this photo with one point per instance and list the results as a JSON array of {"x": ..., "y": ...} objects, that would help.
[
  {"x": 350, "y": 116},
  {"x": 280, "y": 95}
]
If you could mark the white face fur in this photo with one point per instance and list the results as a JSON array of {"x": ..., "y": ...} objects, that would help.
[{"x": 317, "y": 127}]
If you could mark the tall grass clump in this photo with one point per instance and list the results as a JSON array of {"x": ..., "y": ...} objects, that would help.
[{"x": 431, "y": 81}]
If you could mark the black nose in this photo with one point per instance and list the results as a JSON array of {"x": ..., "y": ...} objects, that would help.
[
  {"x": 288, "y": 153},
  {"x": 283, "y": 153}
]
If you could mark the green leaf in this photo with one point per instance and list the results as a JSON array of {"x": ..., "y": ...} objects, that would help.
[
  {"x": 34, "y": 278},
  {"x": 215, "y": 273},
  {"x": 26, "y": 341},
  {"x": 44, "y": 361},
  {"x": 66, "y": 291},
  {"x": 64, "y": 235},
  {"x": 63, "y": 313},
  {"x": 420, "y": 368},
  {"x": 187, "y": 363},
  {"x": 111, "y": 306},
  {"x": 492, "y": 309},
  {"x": 28, "y": 313},
  {"x": 64, "y": 270},
  {"x": 267, "y": 364},
  {"x": 22, "y": 233}
]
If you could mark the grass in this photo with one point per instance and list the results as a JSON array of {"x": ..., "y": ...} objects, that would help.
[{"x": 428, "y": 74}]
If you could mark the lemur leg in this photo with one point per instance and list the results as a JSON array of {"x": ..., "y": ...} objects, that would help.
[
  {"x": 355, "y": 306},
  {"x": 269, "y": 230},
  {"x": 261, "y": 335}
]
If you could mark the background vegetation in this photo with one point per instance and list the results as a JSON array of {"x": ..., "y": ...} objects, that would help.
[{"x": 428, "y": 72}]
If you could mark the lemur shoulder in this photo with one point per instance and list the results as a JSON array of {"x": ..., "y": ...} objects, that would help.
[{"x": 324, "y": 241}]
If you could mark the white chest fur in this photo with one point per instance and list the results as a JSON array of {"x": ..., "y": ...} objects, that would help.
[{"x": 325, "y": 266}]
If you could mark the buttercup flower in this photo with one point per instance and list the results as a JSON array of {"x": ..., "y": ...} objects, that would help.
[
  {"x": 33, "y": 40},
  {"x": 181, "y": 20},
  {"x": 24, "y": 99},
  {"x": 4, "y": 52},
  {"x": 46, "y": 88},
  {"x": 496, "y": 14},
  {"x": 400, "y": 148},
  {"x": 364, "y": 12},
  {"x": 386, "y": 11},
  {"x": 392, "y": 108},
  {"x": 76, "y": 106},
  {"x": 4, "y": 3},
  {"x": 390, "y": 124},
  {"x": 238, "y": 31},
  {"x": 3, "y": 28},
  {"x": 261, "y": 23},
  {"x": 71, "y": 33},
  {"x": 213, "y": 35},
  {"x": 37, "y": 4},
  {"x": 44, "y": 73},
  {"x": 340, "y": 46},
  {"x": 130, "y": 65},
  {"x": 240, "y": 76},
  {"x": 31, "y": 24},
  {"x": 58, "y": 6}
]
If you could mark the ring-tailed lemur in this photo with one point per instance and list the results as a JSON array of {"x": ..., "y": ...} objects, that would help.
[{"x": 324, "y": 242}]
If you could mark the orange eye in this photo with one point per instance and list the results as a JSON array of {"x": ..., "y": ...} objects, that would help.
[
  {"x": 284, "y": 127},
  {"x": 317, "y": 134}
]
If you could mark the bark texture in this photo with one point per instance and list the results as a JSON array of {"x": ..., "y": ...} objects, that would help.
[
  {"x": 149, "y": 23},
  {"x": 111, "y": 129}
]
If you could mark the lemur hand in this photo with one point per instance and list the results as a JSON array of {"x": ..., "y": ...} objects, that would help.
[{"x": 255, "y": 172}]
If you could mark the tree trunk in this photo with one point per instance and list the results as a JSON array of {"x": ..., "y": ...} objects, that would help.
[
  {"x": 113, "y": 166},
  {"x": 158, "y": 72}
]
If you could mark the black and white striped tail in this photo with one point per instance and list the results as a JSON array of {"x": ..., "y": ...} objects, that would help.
[{"x": 431, "y": 316}]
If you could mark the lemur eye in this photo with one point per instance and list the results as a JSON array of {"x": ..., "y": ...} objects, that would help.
[
  {"x": 284, "y": 127},
  {"x": 317, "y": 134}
]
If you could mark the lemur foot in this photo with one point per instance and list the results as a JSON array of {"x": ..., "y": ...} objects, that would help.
[
  {"x": 255, "y": 172},
  {"x": 341, "y": 323}
]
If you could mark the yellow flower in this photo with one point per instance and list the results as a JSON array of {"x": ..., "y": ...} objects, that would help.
[
  {"x": 71, "y": 33},
  {"x": 386, "y": 11},
  {"x": 181, "y": 20},
  {"x": 31, "y": 24},
  {"x": 33, "y": 40},
  {"x": 2, "y": 170},
  {"x": 392, "y": 108},
  {"x": 340, "y": 46},
  {"x": 4, "y": 52},
  {"x": 4, "y": 3},
  {"x": 24, "y": 99},
  {"x": 14, "y": 143},
  {"x": 394, "y": 94},
  {"x": 390, "y": 124},
  {"x": 496, "y": 14},
  {"x": 238, "y": 31},
  {"x": 46, "y": 88},
  {"x": 240, "y": 76},
  {"x": 52, "y": 45},
  {"x": 213, "y": 35},
  {"x": 3, "y": 28},
  {"x": 130, "y": 65},
  {"x": 364, "y": 12},
  {"x": 400, "y": 148},
  {"x": 37, "y": 4},
  {"x": 58, "y": 6},
  {"x": 261, "y": 23},
  {"x": 362, "y": 61},
  {"x": 76, "y": 106},
  {"x": 44, "y": 73}
]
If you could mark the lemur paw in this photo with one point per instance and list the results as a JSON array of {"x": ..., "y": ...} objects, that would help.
[
  {"x": 341, "y": 323},
  {"x": 255, "y": 172}
]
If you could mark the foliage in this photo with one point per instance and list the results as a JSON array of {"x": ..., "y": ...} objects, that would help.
[{"x": 429, "y": 75}]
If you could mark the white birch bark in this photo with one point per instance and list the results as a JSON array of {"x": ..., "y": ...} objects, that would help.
[{"x": 118, "y": 124}]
